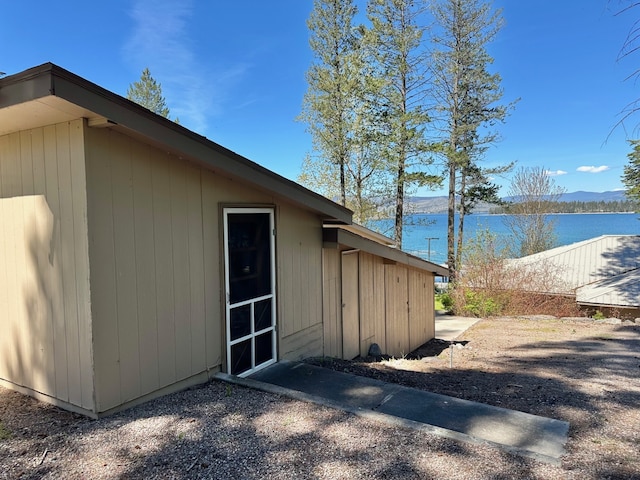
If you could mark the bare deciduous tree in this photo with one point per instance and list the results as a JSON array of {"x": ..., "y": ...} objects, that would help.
[{"x": 532, "y": 193}]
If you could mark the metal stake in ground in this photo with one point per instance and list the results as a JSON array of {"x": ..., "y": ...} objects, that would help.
[{"x": 451, "y": 355}]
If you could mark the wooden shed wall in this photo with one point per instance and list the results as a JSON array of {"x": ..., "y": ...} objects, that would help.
[
  {"x": 396, "y": 305},
  {"x": 397, "y": 309},
  {"x": 332, "y": 302},
  {"x": 373, "y": 327},
  {"x": 157, "y": 263},
  {"x": 421, "y": 308},
  {"x": 45, "y": 321}
]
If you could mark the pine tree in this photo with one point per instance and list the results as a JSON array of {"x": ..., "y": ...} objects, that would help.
[
  {"x": 466, "y": 95},
  {"x": 341, "y": 113},
  {"x": 148, "y": 93},
  {"x": 332, "y": 80},
  {"x": 631, "y": 174},
  {"x": 396, "y": 40}
]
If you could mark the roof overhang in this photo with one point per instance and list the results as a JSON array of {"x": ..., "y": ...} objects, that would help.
[
  {"x": 343, "y": 238},
  {"x": 48, "y": 94}
]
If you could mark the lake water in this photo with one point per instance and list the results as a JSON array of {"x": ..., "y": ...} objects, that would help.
[{"x": 570, "y": 228}]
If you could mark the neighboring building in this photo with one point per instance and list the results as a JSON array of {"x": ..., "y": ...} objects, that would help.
[
  {"x": 138, "y": 258},
  {"x": 602, "y": 273}
]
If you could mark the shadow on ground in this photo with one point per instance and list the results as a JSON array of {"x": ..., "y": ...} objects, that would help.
[{"x": 232, "y": 432}]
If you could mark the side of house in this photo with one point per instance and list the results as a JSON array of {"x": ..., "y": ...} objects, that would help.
[
  {"x": 158, "y": 271},
  {"x": 138, "y": 258},
  {"x": 45, "y": 319}
]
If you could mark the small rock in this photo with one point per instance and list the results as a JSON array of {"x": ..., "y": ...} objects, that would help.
[{"x": 375, "y": 350}]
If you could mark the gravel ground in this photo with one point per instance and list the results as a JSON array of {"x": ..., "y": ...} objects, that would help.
[{"x": 582, "y": 372}]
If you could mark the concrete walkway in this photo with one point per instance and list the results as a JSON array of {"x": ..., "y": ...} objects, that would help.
[
  {"x": 517, "y": 432},
  {"x": 449, "y": 327}
]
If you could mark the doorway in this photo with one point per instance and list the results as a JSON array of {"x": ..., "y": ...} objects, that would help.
[{"x": 250, "y": 289}]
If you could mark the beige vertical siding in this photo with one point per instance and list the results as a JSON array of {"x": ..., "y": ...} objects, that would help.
[
  {"x": 45, "y": 321},
  {"x": 372, "y": 302},
  {"x": 212, "y": 265},
  {"x": 395, "y": 305},
  {"x": 421, "y": 308},
  {"x": 298, "y": 268},
  {"x": 299, "y": 258},
  {"x": 332, "y": 302},
  {"x": 429, "y": 305},
  {"x": 157, "y": 262},
  {"x": 397, "y": 312},
  {"x": 147, "y": 255},
  {"x": 299, "y": 277},
  {"x": 350, "y": 306}
]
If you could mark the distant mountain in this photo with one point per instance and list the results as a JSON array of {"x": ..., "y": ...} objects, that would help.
[
  {"x": 428, "y": 204},
  {"x": 439, "y": 204},
  {"x": 613, "y": 196},
  {"x": 580, "y": 196}
]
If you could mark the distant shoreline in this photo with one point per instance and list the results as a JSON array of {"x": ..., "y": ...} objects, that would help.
[
  {"x": 567, "y": 213},
  {"x": 504, "y": 214}
]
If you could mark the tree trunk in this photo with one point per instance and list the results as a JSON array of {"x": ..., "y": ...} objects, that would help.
[
  {"x": 458, "y": 254},
  {"x": 451, "y": 210},
  {"x": 399, "y": 220},
  {"x": 343, "y": 189}
]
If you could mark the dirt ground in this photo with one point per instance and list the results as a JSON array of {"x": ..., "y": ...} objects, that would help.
[
  {"x": 580, "y": 371},
  {"x": 577, "y": 370}
]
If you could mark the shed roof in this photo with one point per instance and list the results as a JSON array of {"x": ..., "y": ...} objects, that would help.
[
  {"x": 357, "y": 237},
  {"x": 584, "y": 263},
  {"x": 49, "y": 94},
  {"x": 622, "y": 291}
]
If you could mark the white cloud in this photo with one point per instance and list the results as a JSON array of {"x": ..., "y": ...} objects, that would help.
[
  {"x": 161, "y": 41},
  {"x": 592, "y": 169},
  {"x": 554, "y": 173}
]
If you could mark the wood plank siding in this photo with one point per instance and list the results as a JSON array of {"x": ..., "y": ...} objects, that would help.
[
  {"x": 396, "y": 305},
  {"x": 332, "y": 302},
  {"x": 299, "y": 281},
  {"x": 148, "y": 262},
  {"x": 111, "y": 272},
  {"x": 112, "y": 255},
  {"x": 45, "y": 346},
  {"x": 372, "y": 303},
  {"x": 397, "y": 310},
  {"x": 350, "y": 306},
  {"x": 420, "y": 301},
  {"x": 156, "y": 256}
]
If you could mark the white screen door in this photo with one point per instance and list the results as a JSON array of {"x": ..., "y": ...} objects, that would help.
[{"x": 250, "y": 289}]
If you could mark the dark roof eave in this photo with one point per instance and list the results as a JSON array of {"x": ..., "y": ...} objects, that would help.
[
  {"x": 49, "y": 79},
  {"x": 333, "y": 237}
]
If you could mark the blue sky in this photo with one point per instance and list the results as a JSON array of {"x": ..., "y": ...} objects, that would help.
[{"x": 234, "y": 72}]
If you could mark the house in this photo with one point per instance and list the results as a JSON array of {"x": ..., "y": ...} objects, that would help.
[
  {"x": 138, "y": 258},
  {"x": 601, "y": 273}
]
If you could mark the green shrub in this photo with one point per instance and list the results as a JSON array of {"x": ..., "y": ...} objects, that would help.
[
  {"x": 479, "y": 305},
  {"x": 598, "y": 315},
  {"x": 446, "y": 300}
]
